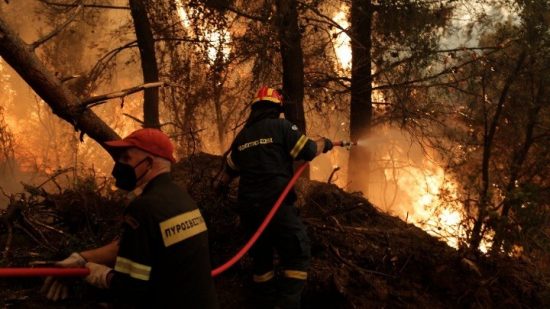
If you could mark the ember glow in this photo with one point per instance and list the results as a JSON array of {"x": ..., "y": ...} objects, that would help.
[{"x": 342, "y": 45}]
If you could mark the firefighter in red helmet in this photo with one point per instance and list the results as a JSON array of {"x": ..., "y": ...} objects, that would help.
[{"x": 262, "y": 155}]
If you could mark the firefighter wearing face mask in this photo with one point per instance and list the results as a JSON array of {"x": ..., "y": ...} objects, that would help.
[
  {"x": 262, "y": 155},
  {"x": 161, "y": 259}
]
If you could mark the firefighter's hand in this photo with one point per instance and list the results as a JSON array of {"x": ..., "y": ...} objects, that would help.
[
  {"x": 74, "y": 260},
  {"x": 55, "y": 289},
  {"x": 100, "y": 275},
  {"x": 328, "y": 145}
]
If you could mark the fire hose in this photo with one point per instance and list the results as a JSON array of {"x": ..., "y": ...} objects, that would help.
[{"x": 83, "y": 272}]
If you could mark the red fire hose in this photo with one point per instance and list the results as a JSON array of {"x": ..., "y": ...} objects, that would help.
[
  {"x": 43, "y": 272},
  {"x": 82, "y": 272}
]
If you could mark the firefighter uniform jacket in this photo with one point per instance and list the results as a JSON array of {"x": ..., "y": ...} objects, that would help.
[
  {"x": 163, "y": 260},
  {"x": 263, "y": 154}
]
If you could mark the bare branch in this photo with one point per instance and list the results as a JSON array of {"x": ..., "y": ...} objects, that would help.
[
  {"x": 134, "y": 118},
  {"x": 57, "y": 30},
  {"x": 91, "y": 5},
  {"x": 434, "y": 76},
  {"x": 244, "y": 14},
  {"x": 101, "y": 64},
  {"x": 96, "y": 100},
  {"x": 68, "y": 78}
]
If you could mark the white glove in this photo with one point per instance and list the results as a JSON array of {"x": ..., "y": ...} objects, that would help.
[
  {"x": 73, "y": 261},
  {"x": 54, "y": 288},
  {"x": 99, "y": 275}
]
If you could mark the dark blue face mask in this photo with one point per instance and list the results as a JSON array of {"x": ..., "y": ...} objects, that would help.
[{"x": 125, "y": 175}]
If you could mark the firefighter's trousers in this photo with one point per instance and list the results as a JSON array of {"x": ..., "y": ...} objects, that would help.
[{"x": 287, "y": 236}]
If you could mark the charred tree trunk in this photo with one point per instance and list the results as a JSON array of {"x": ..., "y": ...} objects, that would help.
[
  {"x": 516, "y": 165},
  {"x": 484, "y": 198},
  {"x": 64, "y": 104},
  {"x": 217, "y": 80},
  {"x": 146, "y": 44},
  {"x": 293, "y": 62},
  {"x": 292, "y": 57},
  {"x": 361, "y": 90}
]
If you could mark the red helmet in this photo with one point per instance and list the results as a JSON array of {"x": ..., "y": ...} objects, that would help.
[
  {"x": 268, "y": 94},
  {"x": 153, "y": 141}
]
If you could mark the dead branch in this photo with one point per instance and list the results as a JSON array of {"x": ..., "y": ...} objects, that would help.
[
  {"x": 33, "y": 237},
  {"x": 55, "y": 175},
  {"x": 57, "y": 30},
  {"x": 91, "y": 5},
  {"x": 101, "y": 64},
  {"x": 134, "y": 118},
  {"x": 100, "y": 99},
  {"x": 68, "y": 78},
  {"x": 443, "y": 72},
  {"x": 4, "y": 192},
  {"x": 357, "y": 267},
  {"x": 48, "y": 227},
  {"x": 334, "y": 170},
  {"x": 244, "y": 14}
]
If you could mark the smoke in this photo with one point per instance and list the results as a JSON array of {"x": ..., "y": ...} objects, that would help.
[{"x": 405, "y": 179}]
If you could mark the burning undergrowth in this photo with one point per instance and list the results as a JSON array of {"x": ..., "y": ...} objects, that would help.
[{"x": 361, "y": 257}]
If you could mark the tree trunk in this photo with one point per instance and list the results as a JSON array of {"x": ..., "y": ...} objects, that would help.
[
  {"x": 64, "y": 104},
  {"x": 292, "y": 57},
  {"x": 518, "y": 160},
  {"x": 146, "y": 44},
  {"x": 293, "y": 62},
  {"x": 361, "y": 91},
  {"x": 484, "y": 198}
]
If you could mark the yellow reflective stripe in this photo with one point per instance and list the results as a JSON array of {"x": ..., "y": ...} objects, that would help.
[
  {"x": 263, "y": 278},
  {"x": 133, "y": 269},
  {"x": 299, "y": 146},
  {"x": 181, "y": 227},
  {"x": 269, "y": 92},
  {"x": 295, "y": 274},
  {"x": 231, "y": 163}
]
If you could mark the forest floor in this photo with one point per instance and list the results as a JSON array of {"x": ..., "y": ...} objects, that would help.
[{"x": 362, "y": 258}]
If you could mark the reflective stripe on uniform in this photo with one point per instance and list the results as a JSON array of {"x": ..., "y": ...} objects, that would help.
[
  {"x": 181, "y": 227},
  {"x": 231, "y": 163},
  {"x": 133, "y": 269},
  {"x": 295, "y": 274},
  {"x": 263, "y": 278},
  {"x": 299, "y": 146}
]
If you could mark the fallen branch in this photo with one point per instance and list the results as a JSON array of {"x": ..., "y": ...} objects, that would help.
[
  {"x": 100, "y": 99},
  {"x": 357, "y": 267}
]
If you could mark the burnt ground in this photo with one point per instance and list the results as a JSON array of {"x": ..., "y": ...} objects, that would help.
[{"x": 362, "y": 258}]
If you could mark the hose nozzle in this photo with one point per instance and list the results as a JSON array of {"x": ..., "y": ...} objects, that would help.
[{"x": 345, "y": 144}]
